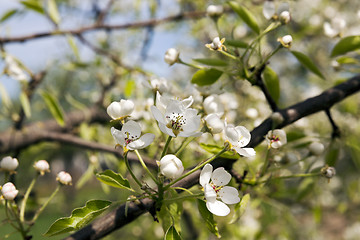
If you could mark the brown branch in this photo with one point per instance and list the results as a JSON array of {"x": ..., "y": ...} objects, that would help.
[
  {"x": 107, "y": 27},
  {"x": 118, "y": 217}
]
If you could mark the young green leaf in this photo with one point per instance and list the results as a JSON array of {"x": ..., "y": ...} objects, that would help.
[
  {"x": 345, "y": 45},
  {"x": 308, "y": 63},
  {"x": 245, "y": 15},
  {"x": 53, "y": 11},
  {"x": 79, "y": 217},
  {"x": 205, "y": 77},
  {"x": 243, "y": 203},
  {"x": 130, "y": 86},
  {"x": 5, "y": 99},
  {"x": 271, "y": 81},
  {"x": 114, "y": 179},
  {"x": 211, "y": 62},
  {"x": 25, "y": 103},
  {"x": 172, "y": 234},
  {"x": 54, "y": 107},
  {"x": 236, "y": 43},
  {"x": 208, "y": 218},
  {"x": 33, "y": 5},
  {"x": 73, "y": 46},
  {"x": 7, "y": 15},
  {"x": 211, "y": 148}
]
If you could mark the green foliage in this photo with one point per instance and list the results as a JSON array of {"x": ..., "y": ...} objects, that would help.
[
  {"x": 205, "y": 77},
  {"x": 25, "y": 103},
  {"x": 245, "y": 15},
  {"x": 54, "y": 107},
  {"x": 214, "y": 149},
  {"x": 172, "y": 234},
  {"x": 208, "y": 218},
  {"x": 114, "y": 179},
  {"x": 34, "y": 5},
  {"x": 236, "y": 43},
  {"x": 346, "y": 45},
  {"x": 211, "y": 62},
  {"x": 53, "y": 11},
  {"x": 307, "y": 63},
  {"x": 272, "y": 83},
  {"x": 7, "y": 15},
  {"x": 79, "y": 217}
]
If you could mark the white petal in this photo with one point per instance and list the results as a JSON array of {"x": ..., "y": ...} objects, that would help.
[
  {"x": 158, "y": 115},
  {"x": 220, "y": 177},
  {"x": 209, "y": 193},
  {"x": 166, "y": 130},
  {"x": 113, "y": 110},
  {"x": 190, "y": 134},
  {"x": 268, "y": 9},
  {"x": 205, "y": 174},
  {"x": 192, "y": 123},
  {"x": 127, "y": 107},
  {"x": 133, "y": 128},
  {"x": 118, "y": 136},
  {"x": 246, "y": 152},
  {"x": 142, "y": 142},
  {"x": 187, "y": 102},
  {"x": 218, "y": 208},
  {"x": 244, "y": 136},
  {"x": 231, "y": 133},
  {"x": 229, "y": 195},
  {"x": 174, "y": 107}
]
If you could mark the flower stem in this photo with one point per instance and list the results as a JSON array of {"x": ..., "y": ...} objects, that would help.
[
  {"x": 37, "y": 214},
  {"x": 145, "y": 167},
  {"x": 26, "y": 196},
  {"x": 300, "y": 175},
  {"x": 266, "y": 163},
  {"x": 183, "y": 145},
  {"x": 189, "y": 64},
  {"x": 166, "y": 146},
  {"x": 196, "y": 168},
  {"x": 228, "y": 54},
  {"x": 131, "y": 172},
  {"x": 184, "y": 197}
]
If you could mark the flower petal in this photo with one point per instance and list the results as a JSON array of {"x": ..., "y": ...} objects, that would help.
[
  {"x": 244, "y": 136},
  {"x": 118, "y": 136},
  {"x": 158, "y": 115},
  {"x": 229, "y": 195},
  {"x": 133, "y": 128},
  {"x": 142, "y": 142},
  {"x": 218, "y": 208},
  {"x": 220, "y": 177},
  {"x": 166, "y": 130},
  {"x": 187, "y": 102},
  {"x": 205, "y": 174},
  {"x": 246, "y": 152},
  {"x": 231, "y": 134},
  {"x": 209, "y": 193}
]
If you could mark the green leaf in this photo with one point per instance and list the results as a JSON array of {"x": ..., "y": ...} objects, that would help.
[
  {"x": 53, "y": 11},
  {"x": 243, "y": 203},
  {"x": 211, "y": 62},
  {"x": 347, "y": 60},
  {"x": 5, "y": 99},
  {"x": 114, "y": 179},
  {"x": 345, "y": 45},
  {"x": 271, "y": 81},
  {"x": 245, "y": 15},
  {"x": 208, "y": 218},
  {"x": 33, "y": 5},
  {"x": 172, "y": 234},
  {"x": 25, "y": 103},
  {"x": 54, "y": 107},
  {"x": 308, "y": 63},
  {"x": 236, "y": 43},
  {"x": 130, "y": 86},
  {"x": 205, "y": 77},
  {"x": 8, "y": 15},
  {"x": 79, "y": 217},
  {"x": 214, "y": 149},
  {"x": 73, "y": 46}
]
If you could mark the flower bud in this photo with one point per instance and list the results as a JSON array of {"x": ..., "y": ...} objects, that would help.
[
  {"x": 316, "y": 148},
  {"x": 286, "y": 41},
  {"x": 9, "y": 191},
  {"x": 285, "y": 17},
  {"x": 9, "y": 164},
  {"x": 42, "y": 166},
  {"x": 217, "y": 44},
  {"x": 214, "y": 123},
  {"x": 277, "y": 118},
  {"x": 328, "y": 172},
  {"x": 64, "y": 178},
  {"x": 214, "y": 10},
  {"x": 171, "y": 166},
  {"x": 119, "y": 110},
  {"x": 171, "y": 56}
]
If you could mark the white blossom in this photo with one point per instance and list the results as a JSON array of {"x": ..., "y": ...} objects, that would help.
[
  {"x": 9, "y": 164},
  {"x": 214, "y": 10},
  {"x": 120, "y": 110},
  {"x": 214, "y": 183},
  {"x": 130, "y": 136},
  {"x": 286, "y": 41},
  {"x": 269, "y": 9},
  {"x": 178, "y": 119},
  {"x": 239, "y": 137},
  {"x": 276, "y": 138},
  {"x": 316, "y": 148},
  {"x": 217, "y": 44},
  {"x": 171, "y": 56},
  {"x": 214, "y": 123},
  {"x": 64, "y": 178},
  {"x": 285, "y": 17},
  {"x": 213, "y": 104},
  {"x": 171, "y": 166},
  {"x": 13, "y": 69},
  {"x": 335, "y": 28},
  {"x": 9, "y": 191},
  {"x": 42, "y": 166},
  {"x": 158, "y": 84}
]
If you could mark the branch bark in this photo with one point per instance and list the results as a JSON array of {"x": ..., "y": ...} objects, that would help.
[{"x": 118, "y": 218}]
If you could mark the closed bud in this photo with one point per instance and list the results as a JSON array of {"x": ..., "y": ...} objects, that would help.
[
  {"x": 328, "y": 172},
  {"x": 64, "y": 178},
  {"x": 214, "y": 11},
  {"x": 285, "y": 17},
  {"x": 9, "y": 164},
  {"x": 171, "y": 166},
  {"x": 316, "y": 148},
  {"x": 9, "y": 191},
  {"x": 171, "y": 56},
  {"x": 286, "y": 41},
  {"x": 42, "y": 166},
  {"x": 120, "y": 110}
]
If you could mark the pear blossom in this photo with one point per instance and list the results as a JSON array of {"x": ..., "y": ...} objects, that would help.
[
  {"x": 282, "y": 12},
  {"x": 178, "y": 119},
  {"x": 328, "y": 172},
  {"x": 316, "y": 148},
  {"x": 13, "y": 69},
  {"x": 64, "y": 178},
  {"x": 120, "y": 110},
  {"x": 276, "y": 138},
  {"x": 335, "y": 28},
  {"x": 214, "y": 183},
  {"x": 269, "y": 9},
  {"x": 163, "y": 101},
  {"x": 9, "y": 164},
  {"x": 214, "y": 123},
  {"x": 286, "y": 41},
  {"x": 158, "y": 84},
  {"x": 214, "y": 10},
  {"x": 130, "y": 136},
  {"x": 285, "y": 17},
  {"x": 9, "y": 191},
  {"x": 213, "y": 104},
  {"x": 42, "y": 166},
  {"x": 239, "y": 137},
  {"x": 216, "y": 45},
  {"x": 171, "y": 56},
  {"x": 171, "y": 166}
]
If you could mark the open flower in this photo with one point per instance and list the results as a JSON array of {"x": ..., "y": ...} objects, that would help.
[
  {"x": 239, "y": 137},
  {"x": 216, "y": 45},
  {"x": 9, "y": 191},
  {"x": 214, "y": 183},
  {"x": 171, "y": 166},
  {"x": 282, "y": 12},
  {"x": 120, "y": 110},
  {"x": 158, "y": 84},
  {"x": 9, "y": 164},
  {"x": 276, "y": 138},
  {"x": 178, "y": 119},
  {"x": 130, "y": 136}
]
